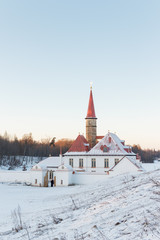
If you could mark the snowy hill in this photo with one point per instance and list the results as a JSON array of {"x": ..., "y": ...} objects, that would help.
[{"x": 124, "y": 208}]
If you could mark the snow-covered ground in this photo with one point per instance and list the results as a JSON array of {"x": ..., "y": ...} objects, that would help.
[
  {"x": 124, "y": 207},
  {"x": 27, "y": 161},
  {"x": 151, "y": 166}
]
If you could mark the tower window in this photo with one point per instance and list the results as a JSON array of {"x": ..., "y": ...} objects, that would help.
[
  {"x": 81, "y": 163},
  {"x": 71, "y": 162},
  {"x": 93, "y": 162},
  {"x": 106, "y": 163}
]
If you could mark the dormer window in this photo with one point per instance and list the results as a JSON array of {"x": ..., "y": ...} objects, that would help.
[{"x": 105, "y": 148}]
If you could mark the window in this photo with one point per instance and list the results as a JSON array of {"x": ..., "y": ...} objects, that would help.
[
  {"x": 116, "y": 160},
  {"x": 93, "y": 162},
  {"x": 35, "y": 181},
  {"x": 106, "y": 163},
  {"x": 105, "y": 149},
  {"x": 81, "y": 163},
  {"x": 71, "y": 162},
  {"x": 61, "y": 182},
  {"x": 51, "y": 174}
]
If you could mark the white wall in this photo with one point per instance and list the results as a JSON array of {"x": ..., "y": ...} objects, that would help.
[
  {"x": 89, "y": 178},
  {"x": 37, "y": 176},
  {"x": 22, "y": 177},
  {"x": 65, "y": 176},
  {"x": 125, "y": 166},
  {"x": 70, "y": 178},
  {"x": 15, "y": 176}
]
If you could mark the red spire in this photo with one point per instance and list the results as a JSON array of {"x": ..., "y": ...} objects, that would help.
[{"x": 91, "y": 111}]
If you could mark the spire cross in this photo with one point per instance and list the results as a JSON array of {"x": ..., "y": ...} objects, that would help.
[{"x": 91, "y": 83}]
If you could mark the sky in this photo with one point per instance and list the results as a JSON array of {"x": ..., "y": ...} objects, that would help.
[{"x": 51, "y": 50}]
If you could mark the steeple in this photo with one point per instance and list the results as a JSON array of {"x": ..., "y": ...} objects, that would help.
[
  {"x": 91, "y": 111},
  {"x": 91, "y": 127}
]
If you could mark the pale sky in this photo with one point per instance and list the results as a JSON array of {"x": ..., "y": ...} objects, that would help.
[{"x": 51, "y": 50}]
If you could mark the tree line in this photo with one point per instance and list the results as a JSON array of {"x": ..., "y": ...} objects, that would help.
[
  {"x": 147, "y": 155},
  {"x": 27, "y": 146}
]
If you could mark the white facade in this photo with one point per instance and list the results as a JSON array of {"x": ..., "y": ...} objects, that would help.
[
  {"x": 86, "y": 178},
  {"x": 64, "y": 176},
  {"x": 102, "y": 157},
  {"x": 43, "y": 173},
  {"x": 37, "y": 177},
  {"x": 102, "y": 163}
]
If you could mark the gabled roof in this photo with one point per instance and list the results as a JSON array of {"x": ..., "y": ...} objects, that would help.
[
  {"x": 79, "y": 145},
  {"x": 53, "y": 162},
  {"x": 134, "y": 162},
  {"x": 110, "y": 144},
  {"x": 63, "y": 167},
  {"x": 91, "y": 111}
]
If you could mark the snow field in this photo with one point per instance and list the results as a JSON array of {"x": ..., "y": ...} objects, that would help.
[{"x": 124, "y": 207}]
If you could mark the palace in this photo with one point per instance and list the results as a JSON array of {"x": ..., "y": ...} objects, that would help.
[{"x": 88, "y": 160}]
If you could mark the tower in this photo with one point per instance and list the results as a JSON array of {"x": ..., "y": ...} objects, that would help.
[{"x": 91, "y": 122}]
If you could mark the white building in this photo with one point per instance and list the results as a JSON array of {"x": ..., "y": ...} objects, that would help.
[
  {"x": 87, "y": 160},
  {"x": 43, "y": 173},
  {"x": 105, "y": 157}
]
